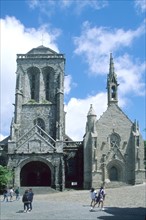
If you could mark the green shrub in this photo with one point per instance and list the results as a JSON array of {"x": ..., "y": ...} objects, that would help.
[{"x": 6, "y": 177}]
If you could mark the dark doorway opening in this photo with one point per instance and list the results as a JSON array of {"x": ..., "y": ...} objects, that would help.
[
  {"x": 35, "y": 173},
  {"x": 74, "y": 168},
  {"x": 113, "y": 175}
]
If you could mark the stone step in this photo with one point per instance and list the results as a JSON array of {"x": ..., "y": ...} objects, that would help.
[
  {"x": 115, "y": 184},
  {"x": 38, "y": 190}
]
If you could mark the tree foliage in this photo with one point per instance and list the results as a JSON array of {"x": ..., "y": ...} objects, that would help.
[{"x": 6, "y": 176}]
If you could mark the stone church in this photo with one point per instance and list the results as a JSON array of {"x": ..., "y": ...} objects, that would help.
[
  {"x": 113, "y": 146},
  {"x": 39, "y": 151}
]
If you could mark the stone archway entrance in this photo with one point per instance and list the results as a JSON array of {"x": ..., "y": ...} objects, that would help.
[
  {"x": 35, "y": 173},
  {"x": 115, "y": 171}
]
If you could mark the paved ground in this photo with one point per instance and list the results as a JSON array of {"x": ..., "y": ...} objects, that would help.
[{"x": 125, "y": 203}]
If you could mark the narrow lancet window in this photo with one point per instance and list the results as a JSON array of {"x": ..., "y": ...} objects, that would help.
[
  {"x": 47, "y": 87},
  {"x": 48, "y": 76},
  {"x": 113, "y": 91},
  {"x": 34, "y": 80}
]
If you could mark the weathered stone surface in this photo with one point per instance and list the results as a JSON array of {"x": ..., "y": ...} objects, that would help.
[{"x": 38, "y": 149}]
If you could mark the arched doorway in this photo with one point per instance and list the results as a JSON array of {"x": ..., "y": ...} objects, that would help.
[
  {"x": 115, "y": 171},
  {"x": 113, "y": 174},
  {"x": 35, "y": 173}
]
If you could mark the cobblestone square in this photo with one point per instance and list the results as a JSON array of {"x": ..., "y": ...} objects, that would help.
[{"x": 124, "y": 203}]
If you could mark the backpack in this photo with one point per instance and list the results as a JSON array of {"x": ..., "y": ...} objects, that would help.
[
  {"x": 102, "y": 194},
  {"x": 17, "y": 191},
  {"x": 25, "y": 198}
]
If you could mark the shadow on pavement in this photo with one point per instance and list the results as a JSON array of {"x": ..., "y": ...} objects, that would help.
[
  {"x": 124, "y": 214},
  {"x": 20, "y": 211}
]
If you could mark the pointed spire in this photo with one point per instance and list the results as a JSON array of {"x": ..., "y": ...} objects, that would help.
[
  {"x": 112, "y": 69},
  {"x": 91, "y": 120},
  {"x": 136, "y": 125},
  {"x": 91, "y": 111},
  {"x": 136, "y": 130},
  {"x": 112, "y": 84}
]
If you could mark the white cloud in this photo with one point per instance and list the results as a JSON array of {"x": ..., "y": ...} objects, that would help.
[
  {"x": 95, "y": 44},
  {"x": 140, "y": 5},
  {"x": 82, "y": 5},
  {"x": 15, "y": 38},
  {"x": 33, "y": 3},
  {"x": 67, "y": 84},
  {"x": 78, "y": 6},
  {"x": 130, "y": 75},
  {"x": 77, "y": 110}
]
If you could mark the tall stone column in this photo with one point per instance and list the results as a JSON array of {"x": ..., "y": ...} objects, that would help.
[
  {"x": 18, "y": 106},
  {"x": 104, "y": 168},
  {"x": 42, "y": 88},
  {"x": 60, "y": 110}
]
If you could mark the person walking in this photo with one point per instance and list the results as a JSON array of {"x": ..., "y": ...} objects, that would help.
[
  {"x": 11, "y": 193},
  {"x": 17, "y": 193},
  {"x": 93, "y": 196},
  {"x": 5, "y": 194},
  {"x": 100, "y": 198},
  {"x": 30, "y": 198},
  {"x": 25, "y": 201}
]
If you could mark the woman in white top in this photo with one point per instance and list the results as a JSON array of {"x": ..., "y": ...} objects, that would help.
[
  {"x": 93, "y": 196},
  {"x": 100, "y": 198},
  {"x": 11, "y": 192}
]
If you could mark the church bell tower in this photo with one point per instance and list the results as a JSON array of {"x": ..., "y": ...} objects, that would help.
[
  {"x": 35, "y": 149},
  {"x": 39, "y": 92},
  {"x": 112, "y": 84}
]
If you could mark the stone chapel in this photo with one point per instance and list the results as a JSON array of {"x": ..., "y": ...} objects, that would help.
[
  {"x": 113, "y": 146},
  {"x": 39, "y": 151}
]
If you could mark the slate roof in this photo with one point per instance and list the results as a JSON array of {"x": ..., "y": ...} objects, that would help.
[{"x": 42, "y": 50}]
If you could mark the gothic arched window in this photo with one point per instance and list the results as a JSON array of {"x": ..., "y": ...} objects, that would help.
[
  {"x": 115, "y": 140},
  {"x": 48, "y": 76},
  {"x": 47, "y": 86},
  {"x": 33, "y": 86},
  {"x": 113, "y": 92},
  {"x": 33, "y": 73},
  {"x": 137, "y": 141}
]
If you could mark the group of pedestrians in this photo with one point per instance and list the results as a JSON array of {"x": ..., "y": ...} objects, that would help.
[
  {"x": 27, "y": 199},
  {"x": 97, "y": 198},
  {"x": 9, "y": 193}
]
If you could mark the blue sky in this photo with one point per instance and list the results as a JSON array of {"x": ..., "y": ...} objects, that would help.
[{"x": 86, "y": 32}]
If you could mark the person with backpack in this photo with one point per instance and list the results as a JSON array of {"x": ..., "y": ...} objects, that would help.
[
  {"x": 100, "y": 198},
  {"x": 30, "y": 198},
  {"x": 25, "y": 200},
  {"x": 17, "y": 193}
]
